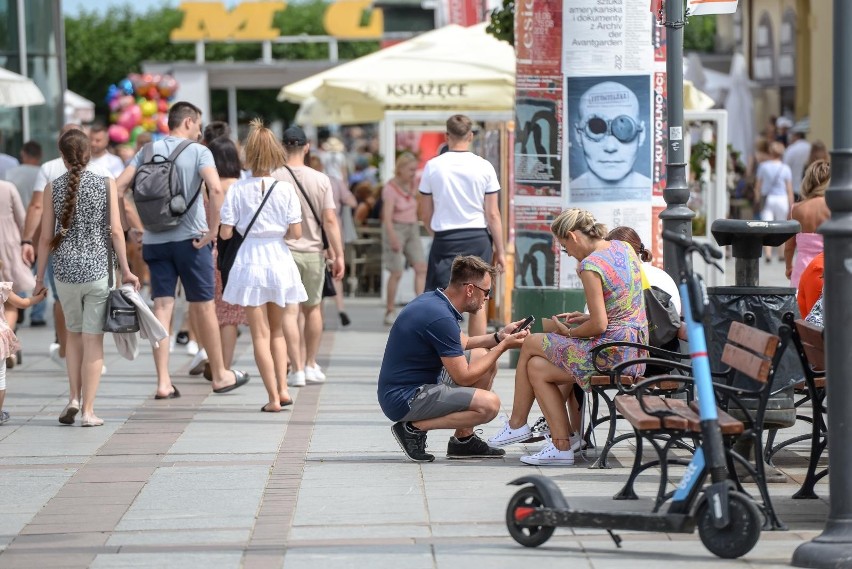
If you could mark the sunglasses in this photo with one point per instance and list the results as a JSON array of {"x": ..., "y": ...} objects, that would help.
[
  {"x": 487, "y": 291},
  {"x": 622, "y": 127}
]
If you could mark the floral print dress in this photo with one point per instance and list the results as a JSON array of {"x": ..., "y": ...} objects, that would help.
[
  {"x": 619, "y": 270},
  {"x": 8, "y": 342}
]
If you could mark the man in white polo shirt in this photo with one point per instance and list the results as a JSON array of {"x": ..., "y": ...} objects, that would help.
[{"x": 460, "y": 207}]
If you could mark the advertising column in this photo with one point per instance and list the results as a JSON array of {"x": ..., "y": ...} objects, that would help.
[{"x": 613, "y": 117}]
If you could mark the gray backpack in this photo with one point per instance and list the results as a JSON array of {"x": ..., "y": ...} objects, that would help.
[{"x": 157, "y": 192}]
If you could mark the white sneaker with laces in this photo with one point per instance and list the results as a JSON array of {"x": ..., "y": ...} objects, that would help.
[
  {"x": 390, "y": 318},
  {"x": 196, "y": 366},
  {"x": 549, "y": 455},
  {"x": 296, "y": 379},
  {"x": 314, "y": 374},
  {"x": 508, "y": 435},
  {"x": 192, "y": 348}
]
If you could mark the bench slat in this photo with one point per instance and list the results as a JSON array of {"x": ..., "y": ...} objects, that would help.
[
  {"x": 755, "y": 340},
  {"x": 751, "y": 365},
  {"x": 686, "y": 417},
  {"x": 813, "y": 342}
]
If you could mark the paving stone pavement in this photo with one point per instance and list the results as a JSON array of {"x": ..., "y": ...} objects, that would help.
[{"x": 208, "y": 481}]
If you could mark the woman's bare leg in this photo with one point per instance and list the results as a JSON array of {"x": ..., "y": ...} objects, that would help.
[{"x": 545, "y": 378}]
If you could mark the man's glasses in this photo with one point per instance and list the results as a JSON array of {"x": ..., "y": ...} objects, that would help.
[
  {"x": 622, "y": 127},
  {"x": 487, "y": 291}
]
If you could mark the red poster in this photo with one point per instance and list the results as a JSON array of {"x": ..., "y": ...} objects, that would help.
[
  {"x": 657, "y": 235},
  {"x": 538, "y": 37},
  {"x": 658, "y": 174},
  {"x": 465, "y": 12}
]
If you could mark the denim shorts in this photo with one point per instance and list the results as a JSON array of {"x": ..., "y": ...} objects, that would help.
[{"x": 169, "y": 261}]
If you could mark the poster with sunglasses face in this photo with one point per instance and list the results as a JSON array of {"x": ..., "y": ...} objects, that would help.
[{"x": 609, "y": 135}]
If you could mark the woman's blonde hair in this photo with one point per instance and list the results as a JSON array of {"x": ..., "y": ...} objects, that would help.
[
  {"x": 263, "y": 151},
  {"x": 403, "y": 160},
  {"x": 577, "y": 220},
  {"x": 816, "y": 179}
]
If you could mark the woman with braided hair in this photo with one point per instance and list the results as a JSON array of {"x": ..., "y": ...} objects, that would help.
[
  {"x": 76, "y": 226},
  {"x": 611, "y": 277}
]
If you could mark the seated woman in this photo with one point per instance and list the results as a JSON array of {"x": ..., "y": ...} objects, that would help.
[{"x": 611, "y": 278}]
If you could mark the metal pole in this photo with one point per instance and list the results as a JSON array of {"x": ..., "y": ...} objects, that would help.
[
  {"x": 676, "y": 217},
  {"x": 25, "y": 68},
  {"x": 833, "y": 548},
  {"x": 233, "y": 121}
]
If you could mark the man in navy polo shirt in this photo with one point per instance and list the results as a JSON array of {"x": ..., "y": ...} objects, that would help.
[{"x": 427, "y": 381}]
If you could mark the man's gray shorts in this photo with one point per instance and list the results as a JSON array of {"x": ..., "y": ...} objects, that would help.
[{"x": 439, "y": 399}]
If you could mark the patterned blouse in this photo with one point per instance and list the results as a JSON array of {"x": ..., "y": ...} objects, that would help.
[
  {"x": 619, "y": 271},
  {"x": 82, "y": 255}
]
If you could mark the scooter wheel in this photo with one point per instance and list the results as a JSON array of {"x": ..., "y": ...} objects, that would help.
[
  {"x": 739, "y": 536},
  {"x": 528, "y": 536}
]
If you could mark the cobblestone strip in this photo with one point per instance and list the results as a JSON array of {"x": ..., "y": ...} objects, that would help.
[
  {"x": 74, "y": 525},
  {"x": 268, "y": 543}
]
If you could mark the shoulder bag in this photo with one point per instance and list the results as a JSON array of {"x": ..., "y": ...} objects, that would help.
[
  {"x": 227, "y": 248},
  {"x": 328, "y": 284},
  {"x": 121, "y": 316},
  {"x": 663, "y": 318}
]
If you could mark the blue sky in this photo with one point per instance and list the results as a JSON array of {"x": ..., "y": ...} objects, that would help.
[{"x": 73, "y": 7}]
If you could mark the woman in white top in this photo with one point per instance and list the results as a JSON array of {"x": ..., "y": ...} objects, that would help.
[
  {"x": 775, "y": 182},
  {"x": 264, "y": 278}
]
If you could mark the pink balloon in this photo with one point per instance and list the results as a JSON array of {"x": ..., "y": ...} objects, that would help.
[
  {"x": 127, "y": 120},
  {"x": 163, "y": 123},
  {"x": 118, "y": 134}
]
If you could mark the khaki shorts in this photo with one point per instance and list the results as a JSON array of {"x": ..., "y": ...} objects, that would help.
[
  {"x": 84, "y": 305},
  {"x": 412, "y": 249},
  {"x": 312, "y": 270}
]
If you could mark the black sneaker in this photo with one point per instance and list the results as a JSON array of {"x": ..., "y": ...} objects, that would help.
[
  {"x": 474, "y": 447},
  {"x": 412, "y": 441}
]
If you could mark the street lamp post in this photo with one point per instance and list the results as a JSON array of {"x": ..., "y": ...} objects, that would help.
[
  {"x": 676, "y": 217},
  {"x": 833, "y": 548}
]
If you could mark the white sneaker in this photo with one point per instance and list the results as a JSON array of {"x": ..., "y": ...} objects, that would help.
[
  {"x": 196, "y": 366},
  {"x": 192, "y": 348},
  {"x": 390, "y": 318},
  {"x": 296, "y": 379},
  {"x": 55, "y": 357},
  {"x": 314, "y": 374},
  {"x": 550, "y": 455},
  {"x": 508, "y": 435}
]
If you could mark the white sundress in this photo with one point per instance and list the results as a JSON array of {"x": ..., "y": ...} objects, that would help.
[{"x": 264, "y": 270}]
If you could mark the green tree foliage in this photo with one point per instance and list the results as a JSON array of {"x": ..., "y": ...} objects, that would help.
[
  {"x": 502, "y": 25},
  {"x": 104, "y": 48}
]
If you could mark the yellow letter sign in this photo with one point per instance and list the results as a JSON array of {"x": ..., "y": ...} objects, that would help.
[
  {"x": 343, "y": 20},
  {"x": 250, "y": 21}
]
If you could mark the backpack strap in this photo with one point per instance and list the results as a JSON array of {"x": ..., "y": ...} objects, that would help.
[
  {"x": 178, "y": 149},
  {"x": 148, "y": 153}
]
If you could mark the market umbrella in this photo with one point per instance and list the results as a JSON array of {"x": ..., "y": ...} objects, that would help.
[
  {"x": 18, "y": 91},
  {"x": 450, "y": 68}
]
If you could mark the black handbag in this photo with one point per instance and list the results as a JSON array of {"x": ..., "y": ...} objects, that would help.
[
  {"x": 121, "y": 316},
  {"x": 663, "y": 318},
  {"x": 328, "y": 284},
  {"x": 227, "y": 248}
]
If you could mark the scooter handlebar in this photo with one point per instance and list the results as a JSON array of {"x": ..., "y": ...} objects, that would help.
[{"x": 707, "y": 251}]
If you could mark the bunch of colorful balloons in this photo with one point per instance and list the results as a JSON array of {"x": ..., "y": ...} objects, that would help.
[{"x": 140, "y": 103}]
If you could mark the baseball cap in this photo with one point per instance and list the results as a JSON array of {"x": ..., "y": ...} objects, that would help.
[{"x": 294, "y": 136}]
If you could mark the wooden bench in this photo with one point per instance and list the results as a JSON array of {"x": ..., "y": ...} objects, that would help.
[
  {"x": 667, "y": 423},
  {"x": 809, "y": 342},
  {"x": 616, "y": 380}
]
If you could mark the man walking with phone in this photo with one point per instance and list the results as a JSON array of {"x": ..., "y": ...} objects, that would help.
[{"x": 435, "y": 377}]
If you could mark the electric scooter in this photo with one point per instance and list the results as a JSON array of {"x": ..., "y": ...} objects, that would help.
[{"x": 728, "y": 522}]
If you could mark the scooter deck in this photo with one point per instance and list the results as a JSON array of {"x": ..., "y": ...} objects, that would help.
[{"x": 637, "y": 521}]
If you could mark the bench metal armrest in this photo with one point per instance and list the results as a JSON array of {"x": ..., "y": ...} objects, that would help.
[{"x": 625, "y": 344}]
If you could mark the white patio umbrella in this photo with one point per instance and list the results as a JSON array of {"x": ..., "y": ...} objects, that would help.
[
  {"x": 740, "y": 107},
  {"x": 450, "y": 68},
  {"x": 18, "y": 91}
]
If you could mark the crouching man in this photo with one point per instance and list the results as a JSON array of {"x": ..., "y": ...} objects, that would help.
[{"x": 428, "y": 380}]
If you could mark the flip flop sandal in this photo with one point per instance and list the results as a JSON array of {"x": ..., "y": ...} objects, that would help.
[
  {"x": 241, "y": 379},
  {"x": 173, "y": 395}
]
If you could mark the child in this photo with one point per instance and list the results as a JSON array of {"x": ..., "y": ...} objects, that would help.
[{"x": 8, "y": 342}]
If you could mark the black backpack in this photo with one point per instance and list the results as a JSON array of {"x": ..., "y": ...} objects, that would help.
[{"x": 157, "y": 192}]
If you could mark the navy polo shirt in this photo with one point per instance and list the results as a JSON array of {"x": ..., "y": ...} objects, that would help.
[{"x": 426, "y": 330}]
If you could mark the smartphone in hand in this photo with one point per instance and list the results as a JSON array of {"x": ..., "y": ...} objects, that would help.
[{"x": 525, "y": 324}]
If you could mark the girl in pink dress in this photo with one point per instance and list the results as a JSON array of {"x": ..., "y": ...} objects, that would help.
[
  {"x": 810, "y": 213},
  {"x": 8, "y": 342}
]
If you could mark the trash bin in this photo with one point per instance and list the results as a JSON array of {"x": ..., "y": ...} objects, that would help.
[{"x": 762, "y": 307}]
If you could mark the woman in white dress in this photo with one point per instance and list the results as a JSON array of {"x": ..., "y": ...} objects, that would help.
[{"x": 264, "y": 278}]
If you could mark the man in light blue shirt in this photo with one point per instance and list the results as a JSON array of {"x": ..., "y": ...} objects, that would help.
[{"x": 185, "y": 250}]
